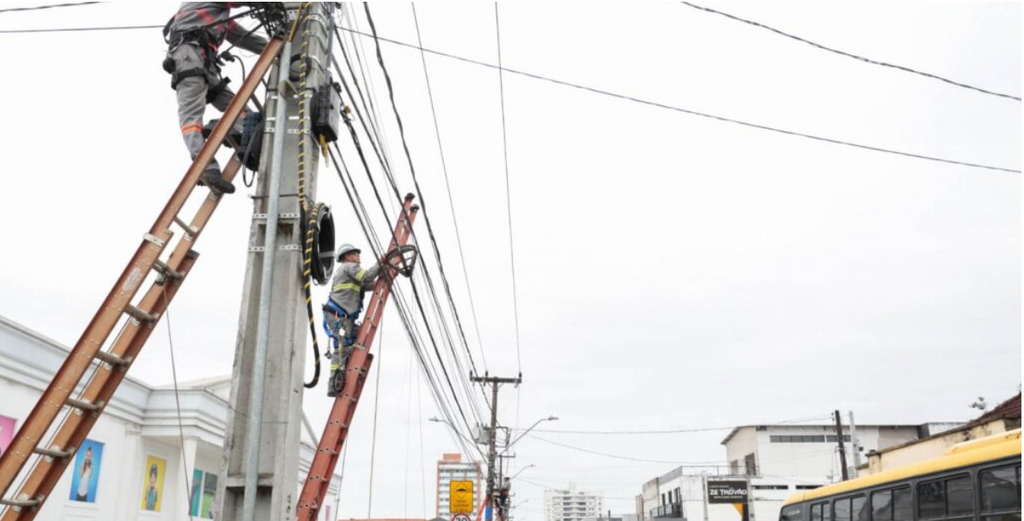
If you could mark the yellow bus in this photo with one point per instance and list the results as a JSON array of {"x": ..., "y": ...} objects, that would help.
[{"x": 977, "y": 480}]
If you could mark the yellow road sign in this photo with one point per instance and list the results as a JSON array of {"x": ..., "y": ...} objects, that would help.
[{"x": 461, "y": 494}]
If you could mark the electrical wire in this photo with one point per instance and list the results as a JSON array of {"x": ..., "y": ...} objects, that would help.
[
  {"x": 664, "y": 106},
  {"x": 363, "y": 218},
  {"x": 177, "y": 404},
  {"x": 81, "y": 29},
  {"x": 385, "y": 164},
  {"x": 447, "y": 184},
  {"x": 849, "y": 55},
  {"x": 423, "y": 201},
  {"x": 629, "y": 458},
  {"x": 51, "y": 6},
  {"x": 508, "y": 190},
  {"x": 683, "y": 431}
]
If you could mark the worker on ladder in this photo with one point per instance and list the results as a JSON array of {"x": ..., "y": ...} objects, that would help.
[
  {"x": 194, "y": 36},
  {"x": 342, "y": 310}
]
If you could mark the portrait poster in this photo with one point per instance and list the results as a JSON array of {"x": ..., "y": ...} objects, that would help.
[
  {"x": 209, "y": 492},
  {"x": 196, "y": 494},
  {"x": 85, "y": 476},
  {"x": 153, "y": 483},
  {"x": 7, "y": 426}
]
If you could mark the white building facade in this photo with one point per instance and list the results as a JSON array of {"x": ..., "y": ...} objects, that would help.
[
  {"x": 451, "y": 468},
  {"x": 136, "y": 464},
  {"x": 572, "y": 505},
  {"x": 767, "y": 464}
]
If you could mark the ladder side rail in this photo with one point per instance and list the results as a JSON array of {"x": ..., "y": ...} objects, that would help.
[
  {"x": 79, "y": 360},
  {"x": 47, "y": 471},
  {"x": 325, "y": 460}
]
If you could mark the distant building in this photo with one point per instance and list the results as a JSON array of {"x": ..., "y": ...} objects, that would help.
[
  {"x": 452, "y": 468},
  {"x": 810, "y": 453},
  {"x": 572, "y": 505},
  {"x": 1004, "y": 417},
  {"x": 138, "y": 461},
  {"x": 765, "y": 465}
]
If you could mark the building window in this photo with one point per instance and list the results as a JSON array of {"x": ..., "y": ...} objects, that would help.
[
  {"x": 946, "y": 499},
  {"x": 750, "y": 465},
  {"x": 807, "y": 487},
  {"x": 800, "y": 438},
  {"x": 771, "y": 487}
]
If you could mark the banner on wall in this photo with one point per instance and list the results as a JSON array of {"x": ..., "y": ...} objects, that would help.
[
  {"x": 153, "y": 483},
  {"x": 209, "y": 491},
  {"x": 85, "y": 477},
  {"x": 7, "y": 427},
  {"x": 196, "y": 494}
]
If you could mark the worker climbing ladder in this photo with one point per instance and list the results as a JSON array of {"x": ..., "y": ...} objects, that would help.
[
  {"x": 43, "y": 435},
  {"x": 400, "y": 259}
]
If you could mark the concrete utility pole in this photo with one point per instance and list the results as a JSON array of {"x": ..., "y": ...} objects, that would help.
[
  {"x": 261, "y": 446},
  {"x": 492, "y": 453},
  {"x": 855, "y": 445},
  {"x": 842, "y": 447}
]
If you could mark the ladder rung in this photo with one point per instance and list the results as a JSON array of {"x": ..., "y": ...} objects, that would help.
[
  {"x": 139, "y": 314},
  {"x": 58, "y": 454},
  {"x": 111, "y": 359},
  {"x": 162, "y": 268},
  {"x": 81, "y": 404},
  {"x": 184, "y": 225},
  {"x": 19, "y": 502}
]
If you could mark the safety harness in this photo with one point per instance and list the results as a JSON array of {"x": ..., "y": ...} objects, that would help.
[{"x": 202, "y": 38}]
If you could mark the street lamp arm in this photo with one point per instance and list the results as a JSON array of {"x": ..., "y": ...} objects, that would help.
[{"x": 527, "y": 431}]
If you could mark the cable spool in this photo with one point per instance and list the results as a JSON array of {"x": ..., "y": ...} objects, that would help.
[
  {"x": 321, "y": 225},
  {"x": 318, "y": 263}
]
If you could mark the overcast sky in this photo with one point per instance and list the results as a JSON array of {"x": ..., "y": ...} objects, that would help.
[{"x": 673, "y": 271}]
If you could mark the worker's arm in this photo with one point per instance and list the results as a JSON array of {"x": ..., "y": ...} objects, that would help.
[
  {"x": 368, "y": 277},
  {"x": 242, "y": 38}
]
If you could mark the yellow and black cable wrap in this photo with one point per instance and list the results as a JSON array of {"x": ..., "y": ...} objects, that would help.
[{"x": 309, "y": 215}]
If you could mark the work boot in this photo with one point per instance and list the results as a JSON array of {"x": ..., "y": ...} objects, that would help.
[{"x": 212, "y": 178}]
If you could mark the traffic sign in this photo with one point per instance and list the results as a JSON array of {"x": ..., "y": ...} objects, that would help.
[{"x": 461, "y": 494}]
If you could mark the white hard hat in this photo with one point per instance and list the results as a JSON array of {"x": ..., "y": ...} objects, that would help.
[{"x": 345, "y": 249}]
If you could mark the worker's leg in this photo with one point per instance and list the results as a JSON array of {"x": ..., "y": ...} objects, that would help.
[
  {"x": 191, "y": 98},
  {"x": 334, "y": 325},
  {"x": 221, "y": 102}
]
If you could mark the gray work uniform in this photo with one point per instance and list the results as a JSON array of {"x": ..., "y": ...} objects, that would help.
[
  {"x": 189, "y": 54},
  {"x": 347, "y": 288}
]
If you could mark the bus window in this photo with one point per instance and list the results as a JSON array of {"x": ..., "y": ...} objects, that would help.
[
  {"x": 902, "y": 508},
  {"x": 842, "y": 509},
  {"x": 1000, "y": 494},
  {"x": 945, "y": 499},
  {"x": 960, "y": 497},
  {"x": 816, "y": 512},
  {"x": 860, "y": 510},
  {"x": 826, "y": 511},
  {"x": 881, "y": 505},
  {"x": 791, "y": 513}
]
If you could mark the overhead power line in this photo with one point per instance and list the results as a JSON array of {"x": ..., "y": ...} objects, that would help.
[
  {"x": 705, "y": 464},
  {"x": 685, "y": 430},
  {"x": 680, "y": 109},
  {"x": 451, "y": 200},
  {"x": 508, "y": 189},
  {"x": 595, "y": 91},
  {"x": 51, "y": 6},
  {"x": 849, "y": 55},
  {"x": 81, "y": 29}
]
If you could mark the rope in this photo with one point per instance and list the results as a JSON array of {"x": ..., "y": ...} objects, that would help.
[
  {"x": 376, "y": 401},
  {"x": 177, "y": 404}
]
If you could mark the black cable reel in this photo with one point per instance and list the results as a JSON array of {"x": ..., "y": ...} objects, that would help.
[{"x": 321, "y": 222}]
